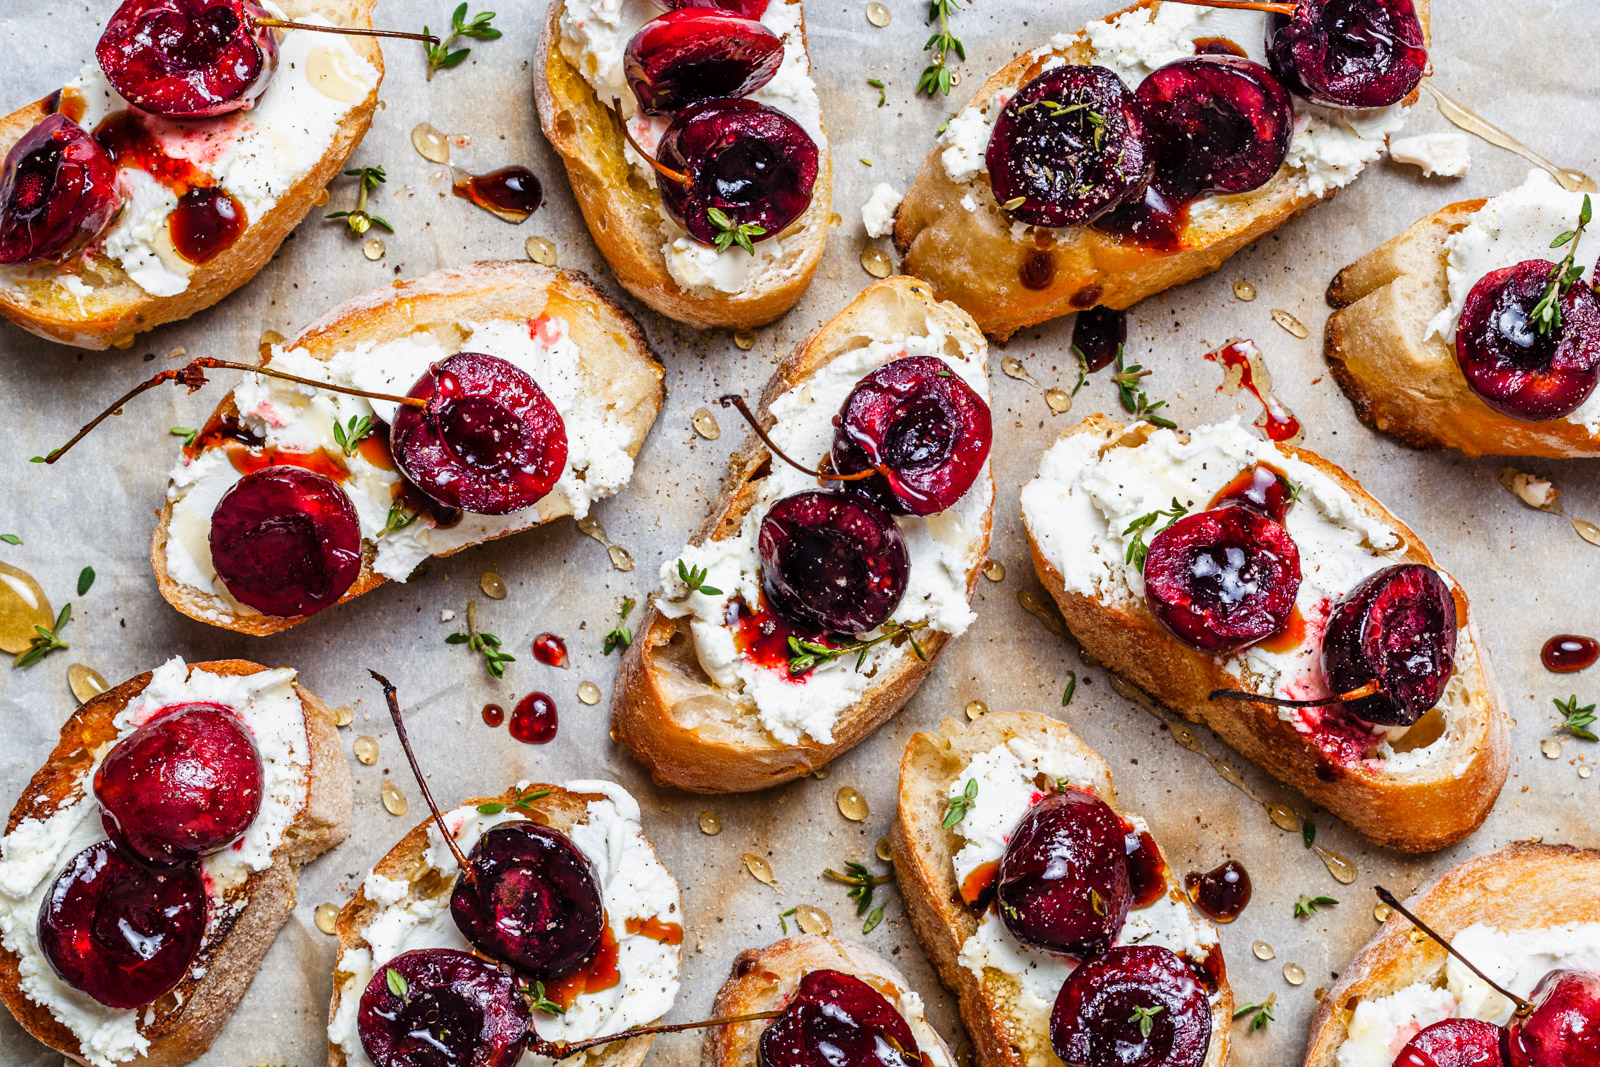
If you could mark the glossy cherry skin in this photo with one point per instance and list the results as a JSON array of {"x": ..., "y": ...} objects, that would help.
[
  {"x": 1223, "y": 579},
  {"x": 1349, "y": 53},
  {"x": 837, "y": 1020},
  {"x": 924, "y": 430},
  {"x": 119, "y": 931},
  {"x": 489, "y": 441},
  {"x": 752, "y": 162},
  {"x": 750, "y": 9},
  {"x": 188, "y": 58},
  {"x": 1398, "y": 629},
  {"x": 1063, "y": 880},
  {"x": 1454, "y": 1043},
  {"x": 183, "y": 785},
  {"x": 533, "y": 900},
  {"x": 1071, "y": 145},
  {"x": 286, "y": 541},
  {"x": 58, "y": 192},
  {"x": 1510, "y": 365},
  {"x": 1564, "y": 1028},
  {"x": 1217, "y": 124},
  {"x": 694, "y": 54},
  {"x": 831, "y": 561},
  {"x": 1095, "y": 1022},
  {"x": 455, "y": 1010}
]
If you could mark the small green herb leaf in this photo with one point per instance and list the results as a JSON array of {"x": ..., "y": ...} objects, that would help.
[
  {"x": 11, "y": 539},
  {"x": 1308, "y": 833},
  {"x": 1137, "y": 550},
  {"x": 85, "y": 580},
  {"x": 883, "y": 95},
  {"x": 1072, "y": 687},
  {"x": 873, "y": 920},
  {"x": 1145, "y": 1018},
  {"x": 188, "y": 434},
  {"x": 862, "y": 883},
  {"x": 1261, "y": 1011},
  {"x": 961, "y": 804},
  {"x": 396, "y": 982},
  {"x": 440, "y": 57},
  {"x": 350, "y": 435},
  {"x": 695, "y": 579},
  {"x": 730, "y": 233},
  {"x": 1576, "y": 720},
  {"x": 45, "y": 641},
  {"x": 619, "y": 636},
  {"x": 539, "y": 1002},
  {"x": 1307, "y": 906}
]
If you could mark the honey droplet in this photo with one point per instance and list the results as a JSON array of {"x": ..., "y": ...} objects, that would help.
[
  {"x": 1014, "y": 369},
  {"x": 745, "y": 339},
  {"x": 1344, "y": 872},
  {"x": 1263, "y": 950},
  {"x": 710, "y": 825},
  {"x": 1587, "y": 530},
  {"x": 344, "y": 715},
  {"x": 1181, "y": 732},
  {"x": 85, "y": 682},
  {"x": 1284, "y": 818},
  {"x": 705, "y": 424},
  {"x": 1290, "y": 323},
  {"x": 621, "y": 558},
  {"x": 1381, "y": 913},
  {"x": 852, "y": 805},
  {"x": 976, "y": 708},
  {"x": 373, "y": 248},
  {"x": 759, "y": 869},
  {"x": 882, "y": 850},
  {"x": 878, "y": 15},
  {"x": 541, "y": 250},
  {"x": 393, "y": 799},
  {"x": 994, "y": 570},
  {"x": 366, "y": 749},
  {"x": 1243, "y": 290},
  {"x": 493, "y": 586},
  {"x": 588, "y": 692},
  {"x": 23, "y": 606},
  {"x": 1034, "y": 605},
  {"x": 875, "y": 261},
  {"x": 1060, "y": 400},
  {"x": 1319, "y": 992},
  {"x": 834, "y": 219},
  {"x": 430, "y": 143},
  {"x": 1584, "y": 771},
  {"x": 269, "y": 340},
  {"x": 327, "y": 917},
  {"x": 821, "y": 771},
  {"x": 1551, "y": 747},
  {"x": 1294, "y": 974},
  {"x": 813, "y": 921},
  {"x": 320, "y": 199}
]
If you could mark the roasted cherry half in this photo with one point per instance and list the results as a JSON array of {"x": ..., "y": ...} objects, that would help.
[
  {"x": 834, "y": 562},
  {"x": 286, "y": 541},
  {"x": 437, "y": 1007},
  {"x": 489, "y": 440},
  {"x": 921, "y": 427},
  {"x": 1138, "y": 1006},
  {"x": 1563, "y": 1029},
  {"x": 1063, "y": 880},
  {"x": 1349, "y": 53},
  {"x": 531, "y": 899},
  {"x": 188, "y": 58},
  {"x": 119, "y": 931},
  {"x": 185, "y": 784},
  {"x": 695, "y": 54},
  {"x": 1217, "y": 124},
  {"x": 1513, "y": 367},
  {"x": 750, "y": 9},
  {"x": 749, "y": 161},
  {"x": 1394, "y": 634},
  {"x": 1069, "y": 147},
  {"x": 837, "y": 1020},
  {"x": 1454, "y": 1043},
  {"x": 58, "y": 192},
  {"x": 1223, "y": 579}
]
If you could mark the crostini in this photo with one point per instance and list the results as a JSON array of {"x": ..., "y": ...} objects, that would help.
[
  {"x": 1420, "y": 344},
  {"x": 710, "y": 194},
  {"x": 178, "y": 808},
  {"x": 799, "y": 619},
  {"x": 1026, "y": 952},
  {"x": 156, "y": 212},
  {"x": 1522, "y": 914},
  {"x": 1079, "y": 220},
  {"x": 1258, "y": 589},
  {"x": 562, "y": 375}
]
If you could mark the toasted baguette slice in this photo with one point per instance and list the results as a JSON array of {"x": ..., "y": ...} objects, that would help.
[
  {"x": 763, "y": 979},
  {"x": 182, "y": 1025},
  {"x": 924, "y": 854},
  {"x": 1424, "y": 809},
  {"x": 971, "y": 257},
  {"x": 669, "y": 713},
  {"x": 114, "y": 308},
  {"x": 624, "y": 212},
  {"x": 620, "y": 368},
  {"x": 1527, "y": 885},
  {"x": 1402, "y": 379}
]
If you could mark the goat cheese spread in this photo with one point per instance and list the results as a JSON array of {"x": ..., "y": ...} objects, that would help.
[
  {"x": 877, "y": 214},
  {"x": 34, "y": 854},
  {"x": 1440, "y": 155}
]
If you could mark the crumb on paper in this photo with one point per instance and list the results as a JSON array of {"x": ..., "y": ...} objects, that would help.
[
  {"x": 1440, "y": 155},
  {"x": 877, "y": 214}
]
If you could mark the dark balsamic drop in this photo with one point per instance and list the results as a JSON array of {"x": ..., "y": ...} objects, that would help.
[
  {"x": 493, "y": 714},
  {"x": 1147, "y": 869},
  {"x": 1566, "y": 653},
  {"x": 1038, "y": 270},
  {"x": 206, "y": 223},
  {"x": 1098, "y": 334},
  {"x": 1220, "y": 895},
  {"x": 534, "y": 720},
  {"x": 510, "y": 193}
]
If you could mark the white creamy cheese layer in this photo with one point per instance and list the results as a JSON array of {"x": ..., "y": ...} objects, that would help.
[
  {"x": 33, "y": 855},
  {"x": 1440, "y": 155},
  {"x": 301, "y": 419},
  {"x": 1330, "y": 146},
  {"x": 877, "y": 214},
  {"x": 633, "y": 885},
  {"x": 1515, "y": 959},
  {"x": 1079, "y": 506},
  {"x": 942, "y": 549}
]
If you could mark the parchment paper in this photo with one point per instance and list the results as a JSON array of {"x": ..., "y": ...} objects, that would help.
[{"x": 1527, "y": 65}]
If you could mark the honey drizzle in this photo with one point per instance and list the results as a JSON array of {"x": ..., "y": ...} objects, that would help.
[{"x": 1573, "y": 181}]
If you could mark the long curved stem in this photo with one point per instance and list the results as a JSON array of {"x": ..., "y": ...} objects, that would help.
[
  {"x": 288, "y": 24},
  {"x": 1524, "y": 1009},
  {"x": 734, "y": 400},
  {"x": 1283, "y": 702},
  {"x": 559, "y": 1050},
  {"x": 660, "y": 168},
  {"x": 393, "y": 699}
]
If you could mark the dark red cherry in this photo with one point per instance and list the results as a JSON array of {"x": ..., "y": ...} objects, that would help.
[
  {"x": 188, "y": 58},
  {"x": 751, "y": 162},
  {"x": 1513, "y": 367},
  {"x": 1454, "y": 1043},
  {"x": 437, "y": 1007},
  {"x": 1217, "y": 124},
  {"x": 1397, "y": 631},
  {"x": 533, "y": 900},
  {"x": 1260, "y": 487},
  {"x": 1349, "y": 53},
  {"x": 489, "y": 441},
  {"x": 286, "y": 541},
  {"x": 921, "y": 427},
  {"x": 750, "y": 9},
  {"x": 1070, "y": 146},
  {"x": 1138, "y": 1006},
  {"x": 1063, "y": 881},
  {"x": 696, "y": 54},
  {"x": 58, "y": 192},
  {"x": 832, "y": 562},
  {"x": 837, "y": 1020},
  {"x": 1223, "y": 579},
  {"x": 1564, "y": 1027},
  {"x": 119, "y": 931},
  {"x": 185, "y": 784}
]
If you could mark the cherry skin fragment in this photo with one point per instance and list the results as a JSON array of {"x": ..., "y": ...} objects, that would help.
[
  {"x": 832, "y": 561},
  {"x": 188, "y": 58},
  {"x": 286, "y": 541},
  {"x": 58, "y": 192},
  {"x": 1509, "y": 364},
  {"x": 837, "y": 1020},
  {"x": 1135, "y": 1006},
  {"x": 695, "y": 54},
  {"x": 438, "y": 1007}
]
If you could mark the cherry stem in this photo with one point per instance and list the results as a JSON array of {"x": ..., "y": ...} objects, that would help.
[
  {"x": 1283, "y": 702},
  {"x": 734, "y": 400},
  {"x": 287, "y": 24},
  {"x": 467, "y": 873},
  {"x": 193, "y": 376},
  {"x": 561, "y": 1049},
  {"x": 1524, "y": 1009},
  {"x": 1248, "y": 5},
  {"x": 660, "y": 168}
]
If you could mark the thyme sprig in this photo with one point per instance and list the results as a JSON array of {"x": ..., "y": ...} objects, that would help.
[
  {"x": 398, "y": 518},
  {"x": 1307, "y": 906},
  {"x": 862, "y": 882},
  {"x": 619, "y": 636},
  {"x": 46, "y": 640},
  {"x": 1072, "y": 687},
  {"x": 936, "y": 77},
  {"x": 439, "y": 55},
  {"x": 1260, "y": 1011},
  {"x": 360, "y": 220},
  {"x": 539, "y": 1002},
  {"x": 804, "y": 655},
  {"x": 488, "y": 645},
  {"x": 523, "y": 802},
  {"x": 694, "y": 578},
  {"x": 1145, "y": 1018},
  {"x": 1134, "y": 399},
  {"x": 960, "y": 804},
  {"x": 1546, "y": 313},
  {"x": 1575, "y": 720},
  {"x": 731, "y": 233},
  {"x": 883, "y": 90},
  {"x": 1137, "y": 549},
  {"x": 350, "y": 435}
]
